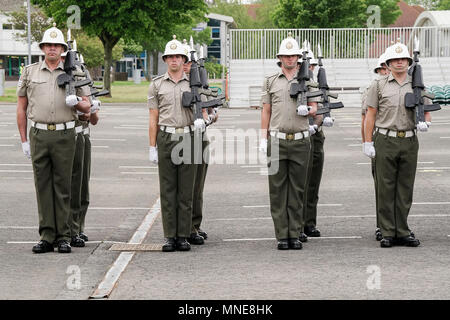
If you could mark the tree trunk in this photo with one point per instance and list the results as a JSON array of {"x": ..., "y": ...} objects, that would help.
[
  {"x": 155, "y": 54},
  {"x": 109, "y": 42}
]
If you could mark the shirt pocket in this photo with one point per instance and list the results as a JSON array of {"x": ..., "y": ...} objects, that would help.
[
  {"x": 38, "y": 87},
  {"x": 276, "y": 96},
  {"x": 390, "y": 100}
]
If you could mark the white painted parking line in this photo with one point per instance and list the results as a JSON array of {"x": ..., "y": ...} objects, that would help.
[
  {"x": 17, "y": 171},
  {"x": 105, "y": 288}
]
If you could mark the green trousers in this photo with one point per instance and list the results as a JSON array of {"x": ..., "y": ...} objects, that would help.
[
  {"x": 86, "y": 178},
  {"x": 372, "y": 162},
  {"x": 395, "y": 169},
  {"x": 52, "y": 154},
  {"x": 288, "y": 169},
  {"x": 199, "y": 183},
  {"x": 77, "y": 181},
  {"x": 177, "y": 172},
  {"x": 314, "y": 177}
]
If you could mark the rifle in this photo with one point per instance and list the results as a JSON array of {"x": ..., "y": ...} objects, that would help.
[
  {"x": 415, "y": 99},
  {"x": 67, "y": 79},
  {"x": 323, "y": 87},
  {"x": 214, "y": 100},
  {"x": 94, "y": 88},
  {"x": 299, "y": 89}
]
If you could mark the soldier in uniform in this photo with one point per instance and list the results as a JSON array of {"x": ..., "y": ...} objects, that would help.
[
  {"x": 391, "y": 139},
  {"x": 169, "y": 121},
  {"x": 52, "y": 139},
  {"x": 197, "y": 234},
  {"x": 284, "y": 125},
  {"x": 381, "y": 70}
]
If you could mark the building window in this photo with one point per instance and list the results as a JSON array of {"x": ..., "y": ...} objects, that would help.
[
  {"x": 7, "y": 26},
  {"x": 213, "y": 23},
  {"x": 215, "y": 33}
]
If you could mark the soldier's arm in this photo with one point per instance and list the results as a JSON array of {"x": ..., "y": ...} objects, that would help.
[
  {"x": 153, "y": 126},
  {"x": 428, "y": 116},
  {"x": 369, "y": 123},
  {"x": 84, "y": 105},
  {"x": 265, "y": 119},
  {"x": 363, "y": 118},
  {"x": 22, "y": 104},
  {"x": 313, "y": 109},
  {"x": 93, "y": 118}
]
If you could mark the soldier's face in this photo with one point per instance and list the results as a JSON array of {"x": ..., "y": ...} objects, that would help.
[
  {"x": 175, "y": 62},
  {"x": 384, "y": 70},
  {"x": 187, "y": 67},
  {"x": 52, "y": 51},
  {"x": 289, "y": 62},
  {"x": 311, "y": 67},
  {"x": 398, "y": 65}
]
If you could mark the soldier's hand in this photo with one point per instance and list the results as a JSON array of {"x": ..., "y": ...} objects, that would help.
[
  {"x": 26, "y": 149},
  {"x": 328, "y": 122},
  {"x": 369, "y": 149},
  {"x": 302, "y": 110},
  {"x": 95, "y": 106},
  {"x": 153, "y": 154},
  {"x": 312, "y": 129},
  {"x": 422, "y": 126},
  {"x": 199, "y": 124},
  {"x": 263, "y": 146},
  {"x": 72, "y": 100}
]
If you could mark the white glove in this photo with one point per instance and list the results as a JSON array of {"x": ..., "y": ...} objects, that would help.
[
  {"x": 72, "y": 100},
  {"x": 211, "y": 118},
  {"x": 328, "y": 122},
  {"x": 26, "y": 149},
  {"x": 80, "y": 113},
  {"x": 153, "y": 154},
  {"x": 263, "y": 146},
  {"x": 428, "y": 124},
  {"x": 199, "y": 124},
  {"x": 422, "y": 126},
  {"x": 302, "y": 110},
  {"x": 312, "y": 129},
  {"x": 369, "y": 149},
  {"x": 95, "y": 106}
]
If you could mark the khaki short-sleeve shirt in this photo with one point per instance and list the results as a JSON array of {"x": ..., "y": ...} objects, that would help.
[
  {"x": 284, "y": 117},
  {"x": 46, "y": 101},
  {"x": 165, "y": 95},
  {"x": 388, "y": 97}
]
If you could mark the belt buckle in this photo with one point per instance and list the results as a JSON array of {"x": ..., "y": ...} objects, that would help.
[
  {"x": 289, "y": 136},
  {"x": 179, "y": 130},
  {"x": 401, "y": 134},
  {"x": 51, "y": 127}
]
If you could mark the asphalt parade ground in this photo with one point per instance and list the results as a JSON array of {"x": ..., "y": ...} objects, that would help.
[{"x": 239, "y": 260}]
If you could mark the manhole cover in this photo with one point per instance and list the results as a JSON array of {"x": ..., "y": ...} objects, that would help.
[{"x": 135, "y": 247}]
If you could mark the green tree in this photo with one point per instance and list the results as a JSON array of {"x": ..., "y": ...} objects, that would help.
[
  {"x": 331, "y": 13},
  {"x": 39, "y": 23},
  {"x": 443, "y": 5},
  {"x": 128, "y": 19},
  {"x": 427, "y": 4},
  {"x": 235, "y": 9},
  {"x": 92, "y": 49}
]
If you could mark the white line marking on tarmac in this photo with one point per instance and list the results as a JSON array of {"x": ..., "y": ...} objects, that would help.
[
  {"x": 101, "y": 147},
  {"x": 264, "y": 239},
  {"x": 92, "y": 139},
  {"x": 359, "y": 139},
  {"x": 36, "y": 227},
  {"x": 137, "y": 173},
  {"x": 16, "y": 164},
  {"x": 354, "y": 145},
  {"x": 6, "y": 145},
  {"x": 335, "y": 217},
  {"x": 137, "y": 167},
  {"x": 445, "y": 137},
  {"x": 320, "y": 205},
  {"x": 139, "y": 128},
  {"x": 420, "y": 162},
  {"x": 118, "y": 208},
  {"x": 17, "y": 171},
  {"x": 94, "y": 241},
  {"x": 105, "y": 288},
  {"x": 259, "y": 166}
]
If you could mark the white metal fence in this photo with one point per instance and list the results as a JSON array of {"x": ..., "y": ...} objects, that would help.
[{"x": 346, "y": 43}]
